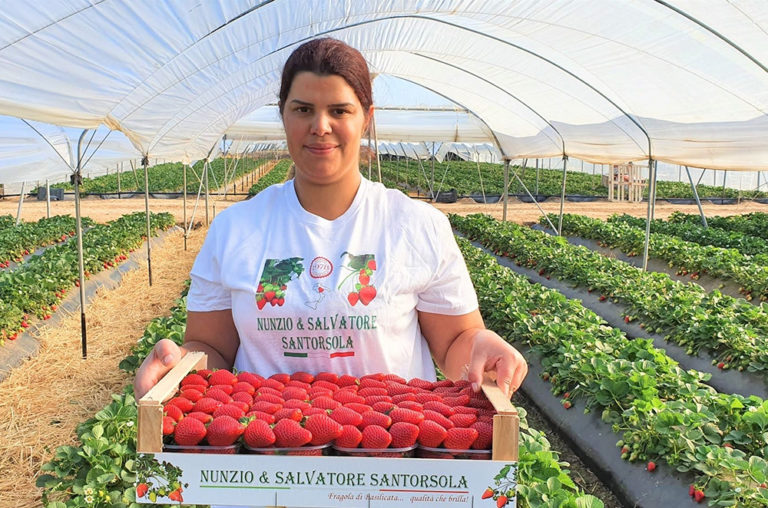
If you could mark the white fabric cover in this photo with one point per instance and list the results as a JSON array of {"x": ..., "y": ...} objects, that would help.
[{"x": 681, "y": 81}]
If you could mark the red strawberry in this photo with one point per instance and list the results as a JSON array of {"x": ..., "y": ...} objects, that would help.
[
  {"x": 412, "y": 405},
  {"x": 403, "y": 434},
  {"x": 367, "y": 293},
  {"x": 269, "y": 295},
  {"x": 176, "y": 496},
  {"x": 466, "y": 410},
  {"x": 268, "y": 397},
  {"x": 382, "y": 406},
  {"x": 242, "y": 397},
  {"x": 374, "y": 380},
  {"x": 323, "y": 428},
  {"x": 206, "y": 405},
  {"x": 484, "y": 436},
  {"x": 189, "y": 432},
  {"x": 203, "y": 417},
  {"x": 463, "y": 420},
  {"x": 459, "y": 400},
  {"x": 350, "y": 437},
  {"x": 290, "y": 434},
  {"x": 281, "y": 378},
  {"x": 360, "y": 408},
  {"x": 266, "y": 407},
  {"x": 273, "y": 384},
  {"x": 691, "y": 490},
  {"x": 487, "y": 493},
  {"x": 698, "y": 495},
  {"x": 290, "y": 413},
  {"x": 369, "y": 391},
  {"x": 227, "y": 389},
  {"x": 421, "y": 383},
  {"x": 206, "y": 373},
  {"x": 721, "y": 365},
  {"x": 294, "y": 383},
  {"x": 346, "y": 416},
  {"x": 243, "y": 387},
  {"x": 375, "y": 418},
  {"x": 437, "y": 417},
  {"x": 258, "y": 434},
  {"x": 460, "y": 438},
  {"x": 325, "y": 403},
  {"x": 400, "y": 414},
  {"x": 261, "y": 415},
  {"x": 347, "y": 396},
  {"x": 402, "y": 397},
  {"x": 439, "y": 407},
  {"x": 567, "y": 404},
  {"x": 327, "y": 377},
  {"x": 184, "y": 404},
  {"x": 431, "y": 433},
  {"x": 192, "y": 394},
  {"x": 347, "y": 380},
  {"x": 651, "y": 466},
  {"x": 371, "y": 264},
  {"x": 168, "y": 425},
  {"x": 352, "y": 298},
  {"x": 224, "y": 430},
  {"x": 230, "y": 410},
  {"x": 501, "y": 501},
  {"x": 364, "y": 278},
  {"x": 294, "y": 392},
  {"x": 250, "y": 378},
  {"x": 297, "y": 404},
  {"x": 425, "y": 397},
  {"x": 174, "y": 412},
  {"x": 141, "y": 489},
  {"x": 304, "y": 377},
  {"x": 375, "y": 437},
  {"x": 222, "y": 377},
  {"x": 221, "y": 396},
  {"x": 315, "y": 411}
]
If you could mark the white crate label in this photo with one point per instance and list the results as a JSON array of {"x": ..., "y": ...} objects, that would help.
[{"x": 327, "y": 481}]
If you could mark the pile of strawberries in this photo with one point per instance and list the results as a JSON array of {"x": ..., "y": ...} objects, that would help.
[{"x": 373, "y": 412}]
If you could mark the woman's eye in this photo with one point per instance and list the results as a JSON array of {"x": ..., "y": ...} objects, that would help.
[{"x": 340, "y": 112}]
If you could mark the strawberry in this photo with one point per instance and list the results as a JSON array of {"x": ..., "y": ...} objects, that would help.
[
  {"x": 141, "y": 489},
  {"x": 691, "y": 490},
  {"x": 315, "y": 411},
  {"x": 243, "y": 387},
  {"x": 260, "y": 303},
  {"x": 174, "y": 412},
  {"x": 460, "y": 438},
  {"x": 323, "y": 428},
  {"x": 384, "y": 401},
  {"x": 325, "y": 403},
  {"x": 501, "y": 501},
  {"x": 294, "y": 383},
  {"x": 363, "y": 277},
  {"x": 374, "y": 380},
  {"x": 206, "y": 405},
  {"x": 266, "y": 407},
  {"x": 375, "y": 437},
  {"x": 273, "y": 384},
  {"x": 184, "y": 404},
  {"x": 603, "y": 298},
  {"x": 346, "y": 396},
  {"x": 400, "y": 414},
  {"x": 217, "y": 394},
  {"x": 431, "y": 433},
  {"x": 371, "y": 265},
  {"x": 369, "y": 391},
  {"x": 350, "y": 437},
  {"x": 484, "y": 436},
  {"x": 190, "y": 393},
  {"x": 627, "y": 319},
  {"x": 242, "y": 397},
  {"x": 231, "y": 410},
  {"x": 360, "y": 408},
  {"x": 176, "y": 496},
  {"x": 459, "y": 400},
  {"x": 326, "y": 377},
  {"x": 651, "y": 466},
  {"x": 439, "y": 407},
  {"x": 347, "y": 380},
  {"x": 487, "y": 493},
  {"x": 268, "y": 397},
  {"x": 261, "y": 415},
  {"x": 224, "y": 431},
  {"x": 222, "y": 377},
  {"x": 402, "y": 397},
  {"x": 168, "y": 425},
  {"x": 294, "y": 392},
  {"x": 206, "y": 373},
  {"x": 304, "y": 377},
  {"x": 567, "y": 404},
  {"x": 203, "y": 417},
  {"x": 290, "y": 434},
  {"x": 297, "y": 404},
  {"x": 352, "y": 298},
  {"x": 367, "y": 293},
  {"x": 346, "y": 416},
  {"x": 270, "y": 295},
  {"x": 290, "y": 413},
  {"x": 437, "y": 417},
  {"x": 275, "y": 394},
  {"x": 403, "y": 434},
  {"x": 721, "y": 365},
  {"x": 424, "y": 397},
  {"x": 462, "y": 420},
  {"x": 227, "y": 389},
  {"x": 412, "y": 405},
  {"x": 258, "y": 434},
  {"x": 189, "y": 432},
  {"x": 375, "y": 418},
  {"x": 698, "y": 496},
  {"x": 281, "y": 378}
]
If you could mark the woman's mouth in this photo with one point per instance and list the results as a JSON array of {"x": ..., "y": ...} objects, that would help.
[{"x": 320, "y": 148}]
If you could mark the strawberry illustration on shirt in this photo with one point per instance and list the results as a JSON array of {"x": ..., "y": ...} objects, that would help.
[
  {"x": 274, "y": 280},
  {"x": 362, "y": 267}
]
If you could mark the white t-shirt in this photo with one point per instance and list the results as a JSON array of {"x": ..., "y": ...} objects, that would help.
[{"x": 310, "y": 294}]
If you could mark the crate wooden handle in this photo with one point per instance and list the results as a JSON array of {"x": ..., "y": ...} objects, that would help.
[
  {"x": 150, "y": 406},
  {"x": 506, "y": 422}
]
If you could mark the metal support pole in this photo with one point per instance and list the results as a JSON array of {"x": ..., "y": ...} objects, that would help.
[
  {"x": 184, "y": 196},
  {"x": 651, "y": 208},
  {"x": 506, "y": 186},
  {"x": 536, "y": 191},
  {"x": 77, "y": 180},
  {"x": 21, "y": 202},
  {"x": 480, "y": 175},
  {"x": 562, "y": 198},
  {"x": 47, "y": 198},
  {"x": 376, "y": 147},
  {"x": 205, "y": 178},
  {"x": 145, "y": 163},
  {"x": 432, "y": 186},
  {"x": 369, "y": 154},
  {"x": 696, "y": 196},
  {"x": 119, "y": 170},
  {"x": 541, "y": 210}
]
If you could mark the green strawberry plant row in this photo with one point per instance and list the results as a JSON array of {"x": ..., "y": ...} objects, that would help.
[
  {"x": 18, "y": 241},
  {"x": 276, "y": 175},
  {"x": 165, "y": 177},
  {"x": 753, "y": 223},
  {"x": 102, "y": 470},
  {"x": 733, "y": 331},
  {"x": 663, "y": 412},
  {"x": 7, "y": 221},
  {"x": 696, "y": 233},
  {"x": 37, "y": 286},
  {"x": 687, "y": 257}
]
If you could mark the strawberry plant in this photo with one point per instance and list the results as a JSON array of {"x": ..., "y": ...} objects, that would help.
[
  {"x": 753, "y": 223},
  {"x": 276, "y": 175}
]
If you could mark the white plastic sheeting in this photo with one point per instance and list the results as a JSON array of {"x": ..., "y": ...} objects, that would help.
[{"x": 682, "y": 81}]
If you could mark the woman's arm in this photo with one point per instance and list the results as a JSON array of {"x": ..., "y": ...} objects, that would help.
[
  {"x": 462, "y": 345},
  {"x": 213, "y": 333}
]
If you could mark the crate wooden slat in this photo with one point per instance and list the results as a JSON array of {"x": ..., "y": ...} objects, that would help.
[
  {"x": 150, "y": 406},
  {"x": 506, "y": 423}
]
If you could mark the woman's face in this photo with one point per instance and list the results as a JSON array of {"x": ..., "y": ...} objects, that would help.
[{"x": 324, "y": 122}]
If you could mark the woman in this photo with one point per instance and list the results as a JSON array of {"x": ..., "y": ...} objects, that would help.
[{"x": 329, "y": 271}]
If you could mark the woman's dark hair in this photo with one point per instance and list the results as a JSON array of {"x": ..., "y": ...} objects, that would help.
[{"x": 326, "y": 57}]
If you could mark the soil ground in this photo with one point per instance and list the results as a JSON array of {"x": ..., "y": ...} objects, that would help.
[{"x": 31, "y": 428}]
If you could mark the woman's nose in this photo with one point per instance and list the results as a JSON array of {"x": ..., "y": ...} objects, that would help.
[{"x": 321, "y": 124}]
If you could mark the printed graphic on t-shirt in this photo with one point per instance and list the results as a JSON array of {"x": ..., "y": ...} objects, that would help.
[
  {"x": 275, "y": 277},
  {"x": 358, "y": 284}
]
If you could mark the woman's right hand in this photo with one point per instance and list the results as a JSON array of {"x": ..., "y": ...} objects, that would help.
[{"x": 164, "y": 356}]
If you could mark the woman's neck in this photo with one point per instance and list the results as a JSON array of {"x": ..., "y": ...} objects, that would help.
[{"x": 328, "y": 201}]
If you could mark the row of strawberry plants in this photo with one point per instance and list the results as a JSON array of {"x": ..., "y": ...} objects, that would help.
[
  {"x": 696, "y": 233},
  {"x": 276, "y": 175},
  {"x": 719, "y": 438},
  {"x": 37, "y": 286},
  {"x": 165, "y": 177},
  {"x": 6, "y": 221},
  {"x": 687, "y": 257},
  {"x": 733, "y": 331},
  {"x": 753, "y": 223},
  {"x": 107, "y": 478},
  {"x": 18, "y": 241}
]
